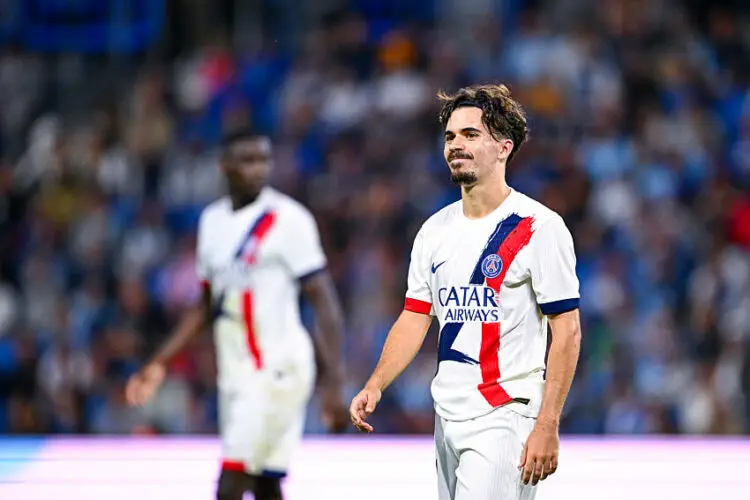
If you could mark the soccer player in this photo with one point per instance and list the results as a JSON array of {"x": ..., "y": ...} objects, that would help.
[
  {"x": 256, "y": 249},
  {"x": 495, "y": 268}
]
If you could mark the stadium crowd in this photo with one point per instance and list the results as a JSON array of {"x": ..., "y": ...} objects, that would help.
[{"x": 640, "y": 138}]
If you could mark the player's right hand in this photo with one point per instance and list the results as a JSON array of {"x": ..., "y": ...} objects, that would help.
[
  {"x": 362, "y": 407},
  {"x": 143, "y": 385}
]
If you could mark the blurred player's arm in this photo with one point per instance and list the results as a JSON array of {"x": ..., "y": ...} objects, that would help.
[
  {"x": 307, "y": 261},
  {"x": 320, "y": 292},
  {"x": 194, "y": 320},
  {"x": 142, "y": 386}
]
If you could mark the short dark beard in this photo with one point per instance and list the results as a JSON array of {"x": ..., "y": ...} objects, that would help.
[{"x": 463, "y": 178}]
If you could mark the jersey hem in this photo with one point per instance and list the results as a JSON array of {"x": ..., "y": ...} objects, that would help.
[
  {"x": 517, "y": 408},
  {"x": 467, "y": 416}
]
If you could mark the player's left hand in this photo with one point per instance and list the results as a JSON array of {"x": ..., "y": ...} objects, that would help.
[
  {"x": 539, "y": 457},
  {"x": 334, "y": 413}
]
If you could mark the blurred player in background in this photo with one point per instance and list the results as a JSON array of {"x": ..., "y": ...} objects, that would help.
[
  {"x": 256, "y": 249},
  {"x": 495, "y": 268}
]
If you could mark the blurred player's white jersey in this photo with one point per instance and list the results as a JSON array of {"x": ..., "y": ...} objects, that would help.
[
  {"x": 254, "y": 258},
  {"x": 491, "y": 282}
]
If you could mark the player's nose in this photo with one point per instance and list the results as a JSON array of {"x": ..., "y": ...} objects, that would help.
[
  {"x": 252, "y": 173},
  {"x": 456, "y": 144}
]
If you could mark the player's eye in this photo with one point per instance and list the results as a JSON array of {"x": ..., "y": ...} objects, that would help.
[{"x": 472, "y": 135}]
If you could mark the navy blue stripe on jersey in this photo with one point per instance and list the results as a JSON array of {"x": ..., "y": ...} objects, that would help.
[
  {"x": 448, "y": 335},
  {"x": 559, "y": 306},
  {"x": 503, "y": 229},
  {"x": 217, "y": 306},
  {"x": 251, "y": 232},
  {"x": 450, "y": 331}
]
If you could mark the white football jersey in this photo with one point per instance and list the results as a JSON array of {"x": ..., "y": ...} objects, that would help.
[
  {"x": 254, "y": 259},
  {"x": 491, "y": 282}
]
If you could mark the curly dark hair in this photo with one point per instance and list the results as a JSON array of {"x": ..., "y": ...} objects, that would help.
[{"x": 501, "y": 114}]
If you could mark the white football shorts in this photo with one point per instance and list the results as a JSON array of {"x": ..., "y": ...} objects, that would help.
[
  {"x": 478, "y": 459},
  {"x": 262, "y": 418}
]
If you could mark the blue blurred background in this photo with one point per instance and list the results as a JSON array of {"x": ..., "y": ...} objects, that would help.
[{"x": 110, "y": 116}]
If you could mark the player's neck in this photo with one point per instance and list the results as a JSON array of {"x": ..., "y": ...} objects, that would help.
[
  {"x": 241, "y": 200},
  {"x": 482, "y": 199}
]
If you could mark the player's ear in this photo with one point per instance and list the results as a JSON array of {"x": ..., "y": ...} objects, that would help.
[{"x": 504, "y": 148}]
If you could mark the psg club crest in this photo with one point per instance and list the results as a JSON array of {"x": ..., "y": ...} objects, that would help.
[{"x": 492, "y": 265}]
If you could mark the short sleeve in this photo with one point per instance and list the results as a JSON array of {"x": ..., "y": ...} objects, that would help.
[
  {"x": 303, "y": 254},
  {"x": 418, "y": 294},
  {"x": 553, "y": 268}
]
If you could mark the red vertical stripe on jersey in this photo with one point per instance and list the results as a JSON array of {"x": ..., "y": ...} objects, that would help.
[
  {"x": 259, "y": 232},
  {"x": 252, "y": 342},
  {"x": 264, "y": 225},
  {"x": 489, "y": 354}
]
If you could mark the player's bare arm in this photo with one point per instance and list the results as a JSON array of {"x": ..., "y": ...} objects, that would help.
[
  {"x": 401, "y": 346},
  {"x": 540, "y": 455},
  {"x": 320, "y": 291},
  {"x": 142, "y": 386}
]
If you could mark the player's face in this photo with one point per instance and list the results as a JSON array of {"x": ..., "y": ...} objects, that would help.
[
  {"x": 247, "y": 165},
  {"x": 470, "y": 149}
]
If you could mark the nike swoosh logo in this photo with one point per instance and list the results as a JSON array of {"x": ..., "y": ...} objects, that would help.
[{"x": 435, "y": 267}]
